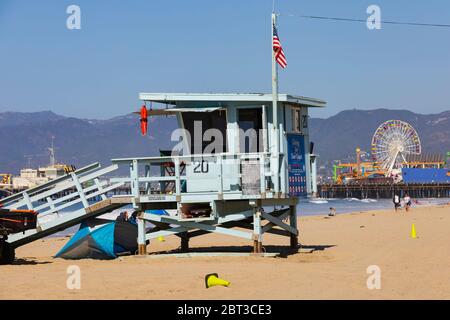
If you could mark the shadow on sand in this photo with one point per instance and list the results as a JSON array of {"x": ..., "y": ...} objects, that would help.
[
  {"x": 25, "y": 262},
  {"x": 282, "y": 251}
]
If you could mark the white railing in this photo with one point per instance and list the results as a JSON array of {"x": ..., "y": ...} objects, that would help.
[
  {"x": 218, "y": 173},
  {"x": 81, "y": 186}
]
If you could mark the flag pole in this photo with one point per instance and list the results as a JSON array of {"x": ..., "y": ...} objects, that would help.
[{"x": 275, "y": 137}]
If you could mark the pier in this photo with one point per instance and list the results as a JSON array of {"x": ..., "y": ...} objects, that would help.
[{"x": 383, "y": 191}]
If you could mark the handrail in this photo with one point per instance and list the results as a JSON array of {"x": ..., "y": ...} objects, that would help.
[
  {"x": 73, "y": 182},
  {"x": 209, "y": 155},
  {"x": 134, "y": 179},
  {"x": 46, "y": 185}
]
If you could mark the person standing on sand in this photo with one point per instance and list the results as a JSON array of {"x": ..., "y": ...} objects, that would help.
[
  {"x": 407, "y": 200},
  {"x": 396, "y": 201}
]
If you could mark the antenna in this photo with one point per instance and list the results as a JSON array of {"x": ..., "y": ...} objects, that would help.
[{"x": 273, "y": 6}]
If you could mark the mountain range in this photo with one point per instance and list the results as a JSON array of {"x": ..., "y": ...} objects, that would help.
[{"x": 27, "y": 136}]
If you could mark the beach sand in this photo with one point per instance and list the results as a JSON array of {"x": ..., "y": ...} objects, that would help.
[{"x": 331, "y": 265}]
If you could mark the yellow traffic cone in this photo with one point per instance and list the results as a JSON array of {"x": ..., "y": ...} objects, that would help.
[
  {"x": 413, "y": 231},
  {"x": 213, "y": 279},
  {"x": 161, "y": 239}
]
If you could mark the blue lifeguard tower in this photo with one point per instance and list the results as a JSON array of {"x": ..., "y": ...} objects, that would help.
[{"x": 233, "y": 167}]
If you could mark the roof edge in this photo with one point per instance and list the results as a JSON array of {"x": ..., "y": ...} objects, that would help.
[{"x": 172, "y": 98}]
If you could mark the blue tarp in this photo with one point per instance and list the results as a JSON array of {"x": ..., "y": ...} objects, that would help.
[{"x": 104, "y": 242}]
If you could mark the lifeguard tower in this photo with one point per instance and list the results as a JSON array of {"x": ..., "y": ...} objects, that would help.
[
  {"x": 231, "y": 167},
  {"x": 241, "y": 160}
]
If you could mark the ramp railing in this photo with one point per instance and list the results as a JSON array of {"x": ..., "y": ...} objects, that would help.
[{"x": 82, "y": 187}]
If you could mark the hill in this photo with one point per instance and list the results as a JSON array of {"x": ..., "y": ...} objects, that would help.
[{"x": 26, "y": 137}]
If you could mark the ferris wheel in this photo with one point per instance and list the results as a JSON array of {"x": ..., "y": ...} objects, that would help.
[{"x": 391, "y": 142}]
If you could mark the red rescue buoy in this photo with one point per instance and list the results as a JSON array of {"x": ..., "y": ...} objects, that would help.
[{"x": 144, "y": 120}]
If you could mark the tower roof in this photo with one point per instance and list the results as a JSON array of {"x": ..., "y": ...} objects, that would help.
[{"x": 223, "y": 99}]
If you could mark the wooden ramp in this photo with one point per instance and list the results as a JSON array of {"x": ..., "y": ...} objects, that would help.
[{"x": 49, "y": 200}]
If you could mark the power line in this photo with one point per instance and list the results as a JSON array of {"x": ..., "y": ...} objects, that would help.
[{"x": 416, "y": 24}]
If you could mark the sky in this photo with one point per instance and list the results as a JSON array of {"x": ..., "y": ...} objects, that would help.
[{"x": 127, "y": 47}]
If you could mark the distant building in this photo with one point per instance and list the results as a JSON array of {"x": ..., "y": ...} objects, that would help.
[{"x": 30, "y": 178}]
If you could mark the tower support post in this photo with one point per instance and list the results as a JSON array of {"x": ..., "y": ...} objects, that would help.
[
  {"x": 142, "y": 244},
  {"x": 257, "y": 231},
  {"x": 184, "y": 241},
  {"x": 293, "y": 224}
]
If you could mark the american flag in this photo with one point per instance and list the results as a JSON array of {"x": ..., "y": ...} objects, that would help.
[{"x": 279, "y": 54}]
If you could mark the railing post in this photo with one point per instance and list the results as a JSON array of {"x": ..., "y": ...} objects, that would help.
[
  {"x": 220, "y": 165},
  {"x": 177, "y": 176},
  {"x": 283, "y": 174},
  {"x": 52, "y": 205},
  {"x": 134, "y": 178},
  {"x": 147, "y": 175},
  {"x": 262, "y": 173},
  {"x": 99, "y": 188},
  {"x": 26, "y": 197},
  {"x": 80, "y": 190}
]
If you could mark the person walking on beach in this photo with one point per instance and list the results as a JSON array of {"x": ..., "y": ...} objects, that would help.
[
  {"x": 396, "y": 201},
  {"x": 407, "y": 200}
]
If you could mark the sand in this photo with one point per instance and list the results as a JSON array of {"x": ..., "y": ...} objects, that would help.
[{"x": 331, "y": 265}]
